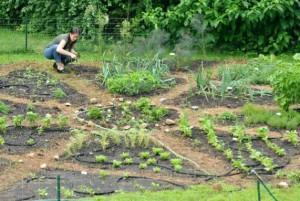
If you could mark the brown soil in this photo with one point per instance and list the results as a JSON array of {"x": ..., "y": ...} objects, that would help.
[{"x": 82, "y": 85}]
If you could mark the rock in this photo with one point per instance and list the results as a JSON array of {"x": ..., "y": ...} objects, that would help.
[
  {"x": 283, "y": 184},
  {"x": 99, "y": 105},
  {"x": 104, "y": 124},
  {"x": 84, "y": 172},
  {"x": 157, "y": 125},
  {"x": 167, "y": 130},
  {"x": 90, "y": 124},
  {"x": 217, "y": 187},
  {"x": 162, "y": 99},
  {"x": 68, "y": 104},
  {"x": 56, "y": 157},
  {"x": 121, "y": 99},
  {"x": 111, "y": 103},
  {"x": 128, "y": 102},
  {"x": 195, "y": 107},
  {"x": 126, "y": 127},
  {"x": 43, "y": 166},
  {"x": 20, "y": 161},
  {"x": 93, "y": 100},
  {"x": 170, "y": 122},
  {"x": 31, "y": 155}
]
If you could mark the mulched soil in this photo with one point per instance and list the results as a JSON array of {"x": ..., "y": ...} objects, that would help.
[
  {"x": 38, "y": 86},
  {"x": 21, "y": 109},
  {"x": 117, "y": 118},
  {"x": 16, "y": 139},
  {"x": 83, "y": 185},
  {"x": 92, "y": 148},
  {"x": 4, "y": 163},
  {"x": 191, "y": 98},
  {"x": 257, "y": 144}
]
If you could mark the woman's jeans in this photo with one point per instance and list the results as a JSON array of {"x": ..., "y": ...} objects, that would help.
[{"x": 51, "y": 53}]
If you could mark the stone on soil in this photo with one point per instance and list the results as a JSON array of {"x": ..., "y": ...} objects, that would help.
[
  {"x": 93, "y": 100},
  {"x": 170, "y": 122}
]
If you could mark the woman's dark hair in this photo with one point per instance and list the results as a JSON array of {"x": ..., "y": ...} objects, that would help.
[{"x": 75, "y": 30}]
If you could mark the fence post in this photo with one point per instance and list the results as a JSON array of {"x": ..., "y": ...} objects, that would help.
[
  {"x": 258, "y": 190},
  {"x": 58, "y": 187},
  {"x": 26, "y": 34}
]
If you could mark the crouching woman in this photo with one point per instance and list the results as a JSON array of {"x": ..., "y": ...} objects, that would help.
[{"x": 62, "y": 49}]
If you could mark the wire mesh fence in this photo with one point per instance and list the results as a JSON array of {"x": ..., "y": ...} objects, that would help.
[{"x": 17, "y": 35}]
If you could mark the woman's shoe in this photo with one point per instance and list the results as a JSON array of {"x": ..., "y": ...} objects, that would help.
[{"x": 62, "y": 71}]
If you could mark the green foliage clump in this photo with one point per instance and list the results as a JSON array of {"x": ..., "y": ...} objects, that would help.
[
  {"x": 184, "y": 126},
  {"x": 286, "y": 83},
  {"x": 58, "y": 93},
  {"x": 281, "y": 119},
  {"x": 4, "y": 109},
  {"x": 3, "y": 124},
  {"x": 143, "y": 103},
  {"x": 155, "y": 113},
  {"x": 2, "y": 140},
  {"x": 255, "y": 71},
  {"x": 95, "y": 112},
  {"x": 227, "y": 116},
  {"x": 133, "y": 83},
  {"x": 32, "y": 117},
  {"x": 17, "y": 120}
]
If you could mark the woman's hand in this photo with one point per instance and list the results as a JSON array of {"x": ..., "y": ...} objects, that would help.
[{"x": 73, "y": 56}]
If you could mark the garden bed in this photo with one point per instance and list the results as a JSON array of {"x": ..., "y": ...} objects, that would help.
[
  {"x": 39, "y": 86},
  {"x": 22, "y": 109},
  {"x": 194, "y": 99},
  {"x": 20, "y": 140},
  {"x": 42, "y": 185},
  {"x": 200, "y": 142}
]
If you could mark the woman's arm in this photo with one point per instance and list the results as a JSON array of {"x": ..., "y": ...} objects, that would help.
[
  {"x": 72, "y": 50},
  {"x": 60, "y": 49}
]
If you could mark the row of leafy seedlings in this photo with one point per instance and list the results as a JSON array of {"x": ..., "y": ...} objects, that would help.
[
  {"x": 126, "y": 114},
  {"x": 121, "y": 148},
  {"x": 243, "y": 140},
  {"x": 34, "y": 120}
]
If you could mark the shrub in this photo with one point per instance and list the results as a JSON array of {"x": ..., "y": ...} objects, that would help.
[
  {"x": 286, "y": 84},
  {"x": 133, "y": 83}
]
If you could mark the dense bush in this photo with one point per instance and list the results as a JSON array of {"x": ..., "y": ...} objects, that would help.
[
  {"x": 133, "y": 83},
  {"x": 286, "y": 83},
  {"x": 260, "y": 25}
]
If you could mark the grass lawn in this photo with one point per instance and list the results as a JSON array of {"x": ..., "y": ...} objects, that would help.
[{"x": 206, "y": 193}]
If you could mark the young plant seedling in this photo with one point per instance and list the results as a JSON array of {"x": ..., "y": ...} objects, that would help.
[
  {"x": 103, "y": 174},
  {"x": 128, "y": 161},
  {"x": 151, "y": 161},
  {"x": 165, "y": 155},
  {"x": 156, "y": 169},
  {"x": 17, "y": 120},
  {"x": 116, "y": 163},
  {"x": 144, "y": 155},
  {"x": 125, "y": 155},
  {"x": 157, "y": 151},
  {"x": 143, "y": 165},
  {"x": 100, "y": 158}
]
